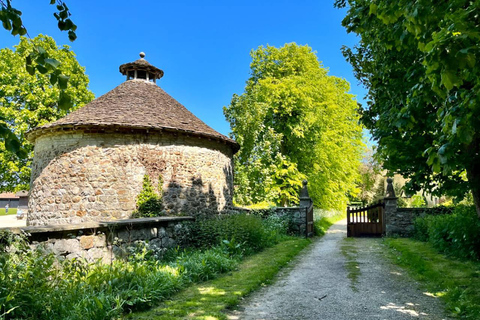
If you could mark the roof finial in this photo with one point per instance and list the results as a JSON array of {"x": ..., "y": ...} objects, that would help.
[{"x": 142, "y": 55}]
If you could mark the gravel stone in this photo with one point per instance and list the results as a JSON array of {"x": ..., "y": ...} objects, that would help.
[{"x": 317, "y": 286}]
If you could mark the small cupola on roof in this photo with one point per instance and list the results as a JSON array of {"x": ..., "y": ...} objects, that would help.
[
  {"x": 141, "y": 70},
  {"x": 90, "y": 165}
]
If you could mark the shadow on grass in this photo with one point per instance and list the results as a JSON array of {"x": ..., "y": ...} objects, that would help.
[{"x": 210, "y": 299}]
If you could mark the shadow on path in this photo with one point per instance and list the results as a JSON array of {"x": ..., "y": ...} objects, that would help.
[{"x": 342, "y": 278}]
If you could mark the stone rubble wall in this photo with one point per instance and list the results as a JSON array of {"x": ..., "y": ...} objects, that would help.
[
  {"x": 401, "y": 221},
  {"x": 297, "y": 216},
  {"x": 107, "y": 241},
  {"x": 80, "y": 176}
]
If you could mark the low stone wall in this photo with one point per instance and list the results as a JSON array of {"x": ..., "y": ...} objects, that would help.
[
  {"x": 298, "y": 216},
  {"x": 107, "y": 240},
  {"x": 401, "y": 222}
]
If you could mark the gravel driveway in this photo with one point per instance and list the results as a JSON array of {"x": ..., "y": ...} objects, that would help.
[{"x": 339, "y": 278}]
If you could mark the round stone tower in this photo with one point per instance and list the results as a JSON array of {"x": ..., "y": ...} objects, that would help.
[{"x": 90, "y": 165}]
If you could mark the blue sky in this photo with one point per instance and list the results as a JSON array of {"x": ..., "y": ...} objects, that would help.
[{"x": 202, "y": 46}]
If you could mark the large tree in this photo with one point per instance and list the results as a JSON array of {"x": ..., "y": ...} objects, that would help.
[
  {"x": 294, "y": 121},
  {"x": 27, "y": 101},
  {"x": 37, "y": 61},
  {"x": 418, "y": 60}
]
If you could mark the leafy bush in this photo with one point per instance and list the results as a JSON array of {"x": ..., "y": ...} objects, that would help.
[
  {"x": 244, "y": 229},
  {"x": 35, "y": 285},
  {"x": 251, "y": 232},
  {"x": 455, "y": 234},
  {"x": 418, "y": 201},
  {"x": 149, "y": 202}
]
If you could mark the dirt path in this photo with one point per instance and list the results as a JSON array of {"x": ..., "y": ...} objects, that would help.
[
  {"x": 12, "y": 221},
  {"x": 340, "y": 278}
]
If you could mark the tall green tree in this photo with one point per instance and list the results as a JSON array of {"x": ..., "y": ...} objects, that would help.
[
  {"x": 37, "y": 61},
  {"x": 27, "y": 101},
  {"x": 294, "y": 121},
  {"x": 418, "y": 60}
]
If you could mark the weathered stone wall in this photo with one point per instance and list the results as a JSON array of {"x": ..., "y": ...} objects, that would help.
[
  {"x": 401, "y": 221},
  {"x": 80, "y": 176},
  {"x": 107, "y": 241},
  {"x": 297, "y": 216}
]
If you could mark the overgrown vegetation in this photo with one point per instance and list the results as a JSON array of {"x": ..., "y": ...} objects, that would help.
[
  {"x": 455, "y": 282},
  {"x": 36, "y": 285},
  {"x": 149, "y": 200},
  {"x": 251, "y": 233},
  {"x": 209, "y": 300},
  {"x": 454, "y": 234}
]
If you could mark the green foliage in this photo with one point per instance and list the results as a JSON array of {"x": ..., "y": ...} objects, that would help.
[
  {"x": 294, "y": 121},
  {"x": 28, "y": 101},
  {"x": 12, "y": 19},
  {"x": 418, "y": 201},
  {"x": 149, "y": 201},
  {"x": 454, "y": 281},
  {"x": 322, "y": 220},
  {"x": 212, "y": 299},
  {"x": 40, "y": 62},
  {"x": 251, "y": 232},
  {"x": 369, "y": 170},
  {"x": 454, "y": 234},
  {"x": 418, "y": 62},
  {"x": 35, "y": 285}
]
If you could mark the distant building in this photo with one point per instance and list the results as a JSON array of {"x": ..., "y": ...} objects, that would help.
[
  {"x": 90, "y": 165},
  {"x": 14, "y": 200}
]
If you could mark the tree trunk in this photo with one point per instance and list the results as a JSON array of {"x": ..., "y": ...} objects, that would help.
[{"x": 473, "y": 176}]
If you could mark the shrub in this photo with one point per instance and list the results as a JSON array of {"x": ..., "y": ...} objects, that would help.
[
  {"x": 251, "y": 232},
  {"x": 455, "y": 234},
  {"x": 149, "y": 202}
]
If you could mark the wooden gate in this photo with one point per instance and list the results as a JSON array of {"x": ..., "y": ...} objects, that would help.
[{"x": 366, "y": 221}]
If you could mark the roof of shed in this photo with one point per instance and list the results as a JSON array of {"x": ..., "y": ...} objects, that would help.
[{"x": 137, "y": 104}]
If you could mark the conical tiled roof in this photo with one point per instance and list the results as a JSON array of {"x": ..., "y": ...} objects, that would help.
[{"x": 135, "y": 104}]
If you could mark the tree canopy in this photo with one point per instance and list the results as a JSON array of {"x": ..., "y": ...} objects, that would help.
[
  {"x": 37, "y": 61},
  {"x": 27, "y": 101},
  {"x": 294, "y": 121},
  {"x": 419, "y": 64}
]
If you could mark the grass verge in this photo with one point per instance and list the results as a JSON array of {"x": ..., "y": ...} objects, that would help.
[
  {"x": 207, "y": 300},
  {"x": 456, "y": 282}
]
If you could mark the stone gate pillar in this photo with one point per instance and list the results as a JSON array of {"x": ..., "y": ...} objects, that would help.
[{"x": 390, "y": 207}]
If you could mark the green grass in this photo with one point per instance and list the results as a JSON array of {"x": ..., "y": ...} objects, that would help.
[
  {"x": 11, "y": 211},
  {"x": 350, "y": 253},
  {"x": 456, "y": 282},
  {"x": 325, "y": 219},
  {"x": 210, "y": 299}
]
